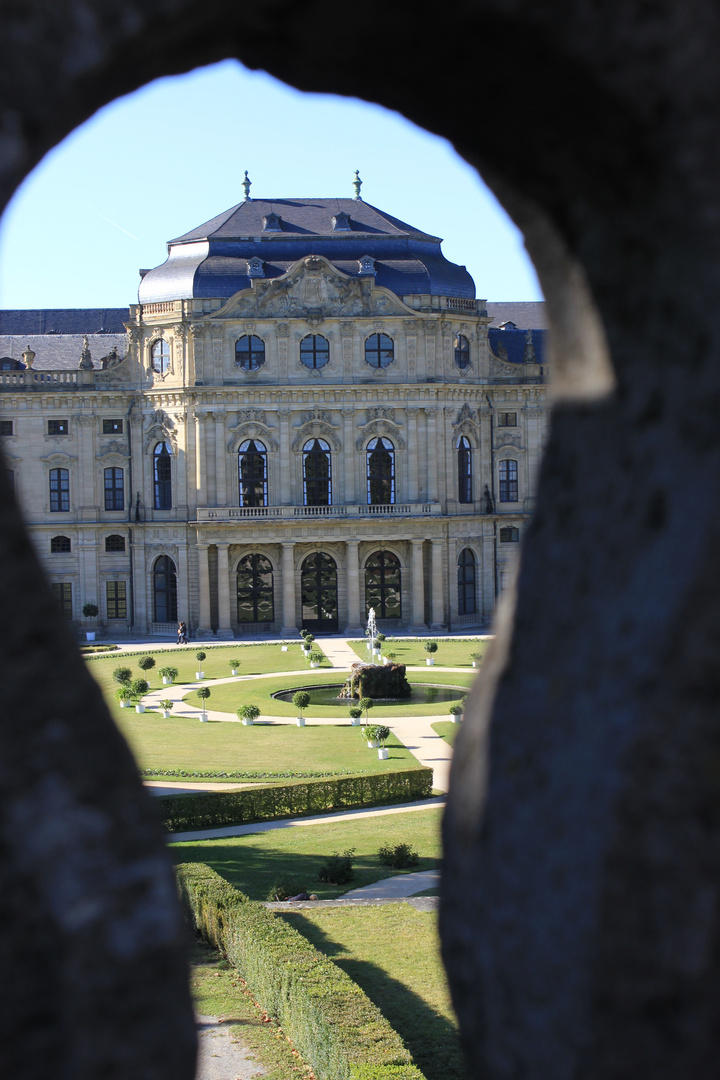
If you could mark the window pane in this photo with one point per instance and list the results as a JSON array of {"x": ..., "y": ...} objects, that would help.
[
  {"x": 379, "y": 350},
  {"x": 116, "y": 600},
  {"x": 314, "y": 351},
  {"x": 317, "y": 486},
  {"x": 462, "y": 351},
  {"x": 249, "y": 352},
  {"x": 380, "y": 472},
  {"x": 114, "y": 489},
  {"x": 163, "y": 477}
]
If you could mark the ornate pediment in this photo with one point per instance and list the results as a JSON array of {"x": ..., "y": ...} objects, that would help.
[
  {"x": 58, "y": 460},
  {"x": 250, "y": 426},
  {"x": 499, "y": 368},
  {"x": 380, "y": 428},
  {"x": 314, "y": 289},
  {"x": 113, "y": 449},
  {"x": 161, "y": 429},
  {"x": 509, "y": 440}
]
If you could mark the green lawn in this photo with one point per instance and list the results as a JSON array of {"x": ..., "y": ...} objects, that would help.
[
  {"x": 393, "y": 953},
  {"x": 452, "y": 652},
  {"x": 229, "y": 697},
  {"x": 446, "y": 730},
  {"x": 184, "y": 744},
  {"x": 252, "y": 863}
]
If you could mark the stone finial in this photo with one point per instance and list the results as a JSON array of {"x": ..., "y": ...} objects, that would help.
[
  {"x": 529, "y": 354},
  {"x": 86, "y": 362},
  {"x": 28, "y": 356},
  {"x": 357, "y": 183},
  {"x": 246, "y": 185}
]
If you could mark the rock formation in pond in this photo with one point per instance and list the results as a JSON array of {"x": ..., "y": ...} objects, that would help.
[{"x": 376, "y": 681}]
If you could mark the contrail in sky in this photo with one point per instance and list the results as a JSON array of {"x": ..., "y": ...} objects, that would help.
[{"x": 114, "y": 223}]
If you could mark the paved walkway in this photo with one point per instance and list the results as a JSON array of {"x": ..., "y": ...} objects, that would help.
[{"x": 395, "y": 888}]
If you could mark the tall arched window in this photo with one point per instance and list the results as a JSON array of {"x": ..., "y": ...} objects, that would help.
[
  {"x": 160, "y": 357},
  {"x": 317, "y": 473},
  {"x": 59, "y": 490},
  {"x": 249, "y": 352},
  {"x": 314, "y": 351},
  {"x": 383, "y": 585},
  {"x": 252, "y": 473},
  {"x": 164, "y": 590},
  {"x": 318, "y": 579},
  {"x": 162, "y": 476},
  {"x": 462, "y": 352},
  {"x": 255, "y": 590},
  {"x": 508, "y": 480},
  {"x": 379, "y": 350},
  {"x": 380, "y": 472},
  {"x": 466, "y": 582},
  {"x": 464, "y": 470},
  {"x": 114, "y": 489}
]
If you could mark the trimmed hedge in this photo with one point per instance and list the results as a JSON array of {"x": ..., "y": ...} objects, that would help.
[
  {"x": 326, "y": 1015},
  {"x": 266, "y": 802}
]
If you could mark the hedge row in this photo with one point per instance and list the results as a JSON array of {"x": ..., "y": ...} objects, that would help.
[
  {"x": 323, "y": 1012},
  {"x": 267, "y": 802}
]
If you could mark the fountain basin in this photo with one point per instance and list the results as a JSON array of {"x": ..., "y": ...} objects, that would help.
[{"x": 422, "y": 694}]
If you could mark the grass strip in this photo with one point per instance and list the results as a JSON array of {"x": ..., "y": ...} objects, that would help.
[
  {"x": 327, "y": 1016},
  {"x": 446, "y": 730}
]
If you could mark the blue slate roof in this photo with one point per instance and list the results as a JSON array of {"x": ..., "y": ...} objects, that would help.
[
  {"x": 509, "y": 345},
  {"x": 21, "y": 322},
  {"x": 211, "y": 260}
]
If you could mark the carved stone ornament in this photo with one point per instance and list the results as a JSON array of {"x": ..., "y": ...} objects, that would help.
[
  {"x": 380, "y": 429},
  {"x": 499, "y": 368},
  {"x": 113, "y": 449},
  {"x": 380, "y": 412},
  {"x": 86, "y": 362},
  {"x": 316, "y": 429},
  {"x": 179, "y": 332},
  {"x": 534, "y": 411},
  {"x": 251, "y": 430},
  {"x": 514, "y": 441},
  {"x": 282, "y": 330},
  {"x": 153, "y": 551},
  {"x": 161, "y": 429},
  {"x": 58, "y": 460},
  {"x": 197, "y": 329},
  {"x": 320, "y": 415},
  {"x": 465, "y": 413}
]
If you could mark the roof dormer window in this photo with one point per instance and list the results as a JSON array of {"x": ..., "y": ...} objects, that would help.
[
  {"x": 341, "y": 221},
  {"x": 272, "y": 223},
  {"x": 366, "y": 266},
  {"x": 255, "y": 268}
]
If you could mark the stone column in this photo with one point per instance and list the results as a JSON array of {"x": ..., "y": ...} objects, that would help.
[
  {"x": 418, "y": 588},
  {"x": 413, "y": 454},
  {"x": 354, "y": 620},
  {"x": 285, "y": 477},
  {"x": 200, "y": 460},
  {"x": 350, "y": 459},
  {"x": 431, "y": 455},
  {"x": 220, "y": 461},
  {"x": 288, "y": 578},
  {"x": 224, "y": 630},
  {"x": 437, "y": 593},
  {"x": 204, "y": 628}
]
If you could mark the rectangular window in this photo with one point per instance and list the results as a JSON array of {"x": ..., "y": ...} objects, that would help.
[
  {"x": 116, "y": 602},
  {"x": 62, "y": 591},
  {"x": 58, "y": 427},
  {"x": 6, "y": 427},
  {"x": 115, "y": 543},
  {"x": 114, "y": 489},
  {"x": 112, "y": 427},
  {"x": 508, "y": 481},
  {"x": 59, "y": 490},
  {"x": 507, "y": 419}
]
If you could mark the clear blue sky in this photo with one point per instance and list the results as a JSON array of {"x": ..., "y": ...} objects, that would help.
[{"x": 157, "y": 163}]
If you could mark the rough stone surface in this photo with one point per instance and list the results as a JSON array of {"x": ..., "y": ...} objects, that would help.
[{"x": 580, "y": 907}]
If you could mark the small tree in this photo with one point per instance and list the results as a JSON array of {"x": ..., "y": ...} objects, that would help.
[
  {"x": 366, "y": 703},
  {"x": 316, "y": 657},
  {"x": 233, "y": 664},
  {"x": 301, "y": 700},
  {"x": 307, "y": 643},
  {"x": 90, "y": 610},
  {"x": 380, "y": 638},
  {"x": 430, "y": 647},
  {"x": 377, "y": 643},
  {"x": 390, "y": 655},
  {"x": 166, "y": 705},
  {"x": 200, "y": 655},
  {"x": 122, "y": 675},
  {"x": 146, "y": 662},
  {"x": 123, "y": 693},
  {"x": 139, "y": 687},
  {"x": 456, "y": 710},
  {"x": 203, "y": 692},
  {"x": 355, "y": 713},
  {"x": 377, "y": 733},
  {"x": 248, "y": 713}
]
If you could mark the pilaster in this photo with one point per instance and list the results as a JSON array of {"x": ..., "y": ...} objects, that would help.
[
  {"x": 418, "y": 588},
  {"x": 354, "y": 625},
  {"x": 204, "y": 628},
  {"x": 289, "y": 627},
  {"x": 224, "y": 630},
  {"x": 438, "y": 592}
]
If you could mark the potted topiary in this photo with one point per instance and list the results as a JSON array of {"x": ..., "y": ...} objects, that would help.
[
  {"x": 456, "y": 712},
  {"x": 166, "y": 707},
  {"x": 145, "y": 663},
  {"x": 355, "y": 715},
  {"x": 301, "y": 700},
  {"x": 476, "y": 657},
  {"x": 123, "y": 694},
  {"x": 90, "y": 611},
  {"x": 234, "y": 665},
  {"x": 316, "y": 658},
  {"x": 122, "y": 675},
  {"x": 168, "y": 675},
  {"x": 307, "y": 643},
  {"x": 388, "y": 657},
  {"x": 138, "y": 689},
  {"x": 430, "y": 647},
  {"x": 200, "y": 656},
  {"x": 377, "y": 646},
  {"x": 248, "y": 714},
  {"x": 365, "y": 704},
  {"x": 376, "y": 734},
  {"x": 203, "y": 692}
]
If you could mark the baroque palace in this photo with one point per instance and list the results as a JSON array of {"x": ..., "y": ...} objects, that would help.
[{"x": 308, "y": 413}]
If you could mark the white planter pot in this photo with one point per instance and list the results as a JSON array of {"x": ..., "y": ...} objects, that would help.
[
  {"x": 455, "y": 719},
  {"x": 126, "y": 704},
  {"x": 166, "y": 681},
  {"x": 430, "y": 661},
  {"x": 166, "y": 714},
  {"x": 199, "y": 675},
  {"x": 139, "y": 708},
  {"x": 383, "y": 753},
  {"x": 300, "y": 721},
  {"x": 476, "y": 663},
  {"x": 203, "y": 718},
  {"x": 354, "y": 721},
  {"x": 248, "y": 723},
  {"x": 385, "y": 661},
  {"x": 373, "y": 744},
  {"x": 314, "y": 663},
  {"x": 233, "y": 671},
  {"x": 283, "y": 648},
  {"x": 89, "y": 635}
]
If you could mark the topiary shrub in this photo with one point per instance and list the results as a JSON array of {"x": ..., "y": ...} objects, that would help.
[
  {"x": 249, "y": 713},
  {"x": 146, "y": 662},
  {"x": 203, "y": 692},
  {"x": 200, "y": 655},
  {"x": 337, "y": 870},
  {"x": 168, "y": 672},
  {"x": 366, "y": 703},
  {"x": 139, "y": 687},
  {"x": 301, "y": 700},
  {"x": 377, "y": 733},
  {"x": 122, "y": 675},
  {"x": 430, "y": 646}
]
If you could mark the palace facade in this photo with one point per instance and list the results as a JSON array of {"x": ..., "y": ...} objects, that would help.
[{"x": 308, "y": 413}]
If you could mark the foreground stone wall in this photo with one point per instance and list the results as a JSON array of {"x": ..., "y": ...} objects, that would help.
[{"x": 581, "y": 895}]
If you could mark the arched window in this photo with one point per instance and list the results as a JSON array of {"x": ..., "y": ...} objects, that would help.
[
  {"x": 318, "y": 578},
  {"x": 114, "y": 489},
  {"x": 59, "y": 490},
  {"x": 462, "y": 351},
  {"x": 164, "y": 590},
  {"x": 379, "y": 350},
  {"x": 317, "y": 474},
  {"x": 115, "y": 543},
  {"x": 59, "y": 544},
  {"x": 162, "y": 476},
  {"x": 510, "y": 535},
  {"x": 160, "y": 357},
  {"x": 249, "y": 352},
  {"x": 380, "y": 472},
  {"x": 464, "y": 470},
  {"x": 383, "y": 585},
  {"x": 314, "y": 351},
  {"x": 466, "y": 582},
  {"x": 508, "y": 480},
  {"x": 255, "y": 590},
  {"x": 252, "y": 473}
]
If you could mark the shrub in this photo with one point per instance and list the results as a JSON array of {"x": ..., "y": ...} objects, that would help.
[
  {"x": 455, "y": 710},
  {"x": 400, "y": 857},
  {"x": 355, "y": 712},
  {"x": 476, "y": 656},
  {"x": 338, "y": 868},
  {"x": 203, "y": 692},
  {"x": 366, "y": 704},
  {"x": 167, "y": 704},
  {"x": 333, "y": 1024},
  {"x": 168, "y": 672},
  {"x": 122, "y": 675},
  {"x": 380, "y": 638},
  {"x": 376, "y": 733},
  {"x": 123, "y": 693},
  {"x": 248, "y": 712},
  {"x": 301, "y": 700},
  {"x": 234, "y": 663},
  {"x": 283, "y": 887},
  {"x": 309, "y": 638},
  {"x": 391, "y": 655},
  {"x": 430, "y": 646},
  {"x": 377, "y": 642},
  {"x": 90, "y": 610},
  {"x": 200, "y": 655},
  {"x": 139, "y": 687},
  {"x": 316, "y": 657},
  {"x": 146, "y": 662}
]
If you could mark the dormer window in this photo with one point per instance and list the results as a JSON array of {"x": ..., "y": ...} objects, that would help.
[
  {"x": 272, "y": 223},
  {"x": 366, "y": 266},
  {"x": 255, "y": 268},
  {"x": 341, "y": 221},
  {"x": 507, "y": 325}
]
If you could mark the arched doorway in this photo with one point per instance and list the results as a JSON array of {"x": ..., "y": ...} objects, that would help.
[
  {"x": 164, "y": 590},
  {"x": 319, "y": 593},
  {"x": 255, "y": 590},
  {"x": 383, "y": 585}
]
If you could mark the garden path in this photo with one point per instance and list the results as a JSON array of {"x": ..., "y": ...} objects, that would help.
[{"x": 395, "y": 888}]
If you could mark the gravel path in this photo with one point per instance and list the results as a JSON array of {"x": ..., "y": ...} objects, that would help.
[{"x": 221, "y": 1056}]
